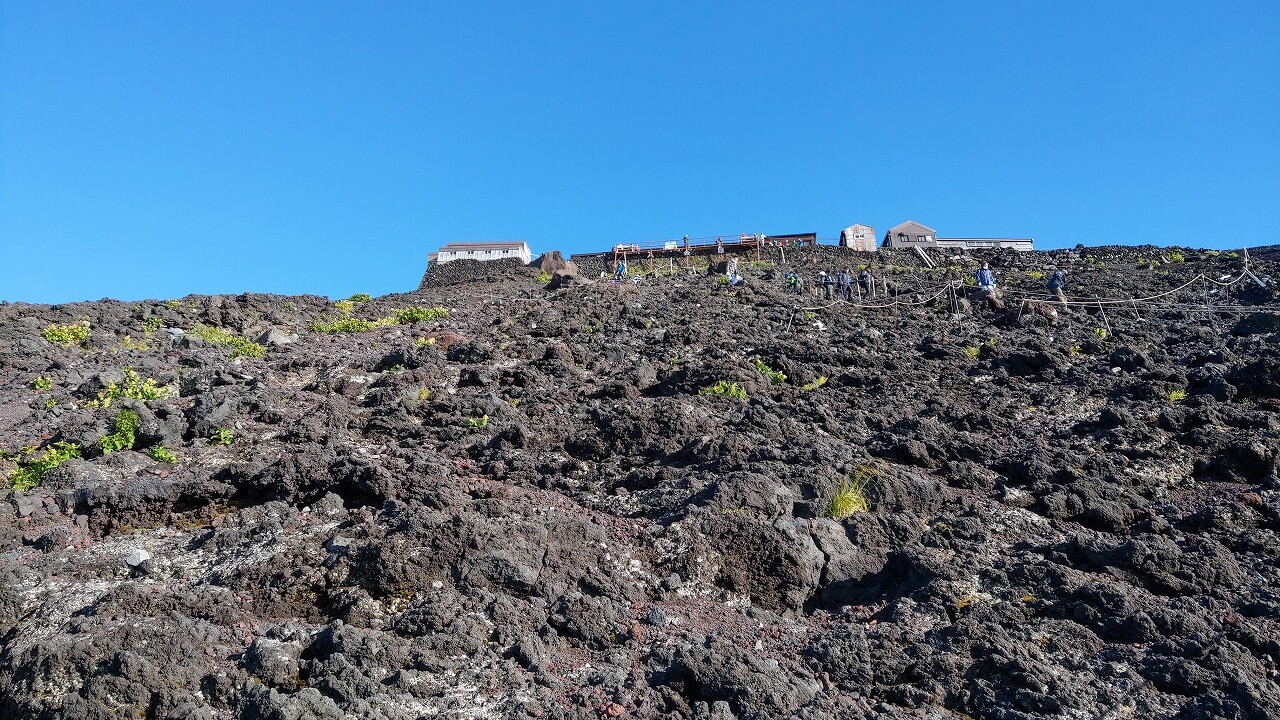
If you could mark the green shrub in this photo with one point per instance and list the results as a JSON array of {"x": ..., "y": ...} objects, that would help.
[
  {"x": 240, "y": 347},
  {"x": 151, "y": 324},
  {"x": 1177, "y": 257},
  {"x": 67, "y": 334},
  {"x": 123, "y": 435},
  {"x": 346, "y": 307},
  {"x": 361, "y": 298},
  {"x": 350, "y": 325},
  {"x": 776, "y": 377},
  {"x": 425, "y": 341},
  {"x": 1035, "y": 274},
  {"x": 1177, "y": 396},
  {"x": 725, "y": 388},
  {"x": 424, "y": 394},
  {"x": 851, "y": 496},
  {"x": 543, "y": 277},
  {"x": 1100, "y": 333},
  {"x": 30, "y": 472},
  {"x": 972, "y": 351},
  {"x": 221, "y": 436},
  {"x": 160, "y": 453},
  {"x": 50, "y": 404},
  {"x": 41, "y": 383},
  {"x": 411, "y": 315},
  {"x": 131, "y": 344},
  {"x": 478, "y": 422},
  {"x": 134, "y": 387}
]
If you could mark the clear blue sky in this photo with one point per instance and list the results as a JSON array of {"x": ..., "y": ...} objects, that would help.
[{"x": 150, "y": 149}]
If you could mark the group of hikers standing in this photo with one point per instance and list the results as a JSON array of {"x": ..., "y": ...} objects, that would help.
[{"x": 844, "y": 284}]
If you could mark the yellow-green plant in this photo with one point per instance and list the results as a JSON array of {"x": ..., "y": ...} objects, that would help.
[
  {"x": 31, "y": 471},
  {"x": 776, "y": 377},
  {"x": 424, "y": 394},
  {"x": 151, "y": 325},
  {"x": 725, "y": 388},
  {"x": 350, "y": 325},
  {"x": 345, "y": 306},
  {"x": 240, "y": 347},
  {"x": 123, "y": 435},
  {"x": 221, "y": 436},
  {"x": 361, "y": 298},
  {"x": 542, "y": 277},
  {"x": 972, "y": 351},
  {"x": 478, "y": 422},
  {"x": 134, "y": 387},
  {"x": 425, "y": 341},
  {"x": 1176, "y": 257},
  {"x": 411, "y": 315},
  {"x": 809, "y": 387},
  {"x": 1177, "y": 396},
  {"x": 41, "y": 383},
  {"x": 160, "y": 453},
  {"x": 131, "y": 344},
  {"x": 1100, "y": 333},
  {"x": 851, "y": 495},
  {"x": 67, "y": 334}
]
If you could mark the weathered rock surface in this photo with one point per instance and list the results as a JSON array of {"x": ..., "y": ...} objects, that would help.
[{"x": 534, "y": 507}]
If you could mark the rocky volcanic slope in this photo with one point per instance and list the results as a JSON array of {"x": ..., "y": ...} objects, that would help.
[{"x": 528, "y": 508}]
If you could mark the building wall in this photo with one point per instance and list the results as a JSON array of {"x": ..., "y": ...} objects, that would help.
[
  {"x": 446, "y": 254},
  {"x": 859, "y": 237},
  {"x": 917, "y": 235}
]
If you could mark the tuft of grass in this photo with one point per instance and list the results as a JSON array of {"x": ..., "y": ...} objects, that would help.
[
  {"x": 1035, "y": 274},
  {"x": 1177, "y": 257},
  {"x": 173, "y": 303},
  {"x": 123, "y": 435},
  {"x": 76, "y": 333},
  {"x": 345, "y": 307},
  {"x": 972, "y": 351},
  {"x": 151, "y": 325},
  {"x": 222, "y": 436},
  {"x": 478, "y": 422},
  {"x": 360, "y": 298},
  {"x": 1100, "y": 333},
  {"x": 240, "y": 347},
  {"x": 809, "y": 387},
  {"x": 411, "y": 315},
  {"x": 134, "y": 387},
  {"x": 424, "y": 394},
  {"x": 31, "y": 471},
  {"x": 776, "y": 377},
  {"x": 425, "y": 341},
  {"x": 41, "y": 383},
  {"x": 1177, "y": 396},
  {"x": 725, "y": 388},
  {"x": 160, "y": 453},
  {"x": 50, "y": 404},
  {"x": 543, "y": 277},
  {"x": 851, "y": 496}
]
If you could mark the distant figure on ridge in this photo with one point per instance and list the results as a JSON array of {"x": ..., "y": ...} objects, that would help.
[
  {"x": 622, "y": 271},
  {"x": 867, "y": 283},
  {"x": 1056, "y": 283},
  {"x": 828, "y": 283},
  {"x": 986, "y": 278}
]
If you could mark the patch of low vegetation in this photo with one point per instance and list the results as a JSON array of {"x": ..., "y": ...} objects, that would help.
[
  {"x": 124, "y": 433},
  {"x": 776, "y": 377},
  {"x": 31, "y": 470},
  {"x": 345, "y": 307},
  {"x": 972, "y": 351},
  {"x": 1035, "y": 274},
  {"x": 426, "y": 341},
  {"x": 73, "y": 333},
  {"x": 851, "y": 495},
  {"x": 240, "y": 347},
  {"x": 411, "y": 315},
  {"x": 349, "y": 324},
  {"x": 41, "y": 383},
  {"x": 160, "y": 453},
  {"x": 543, "y": 277},
  {"x": 1177, "y": 396},
  {"x": 221, "y": 436},
  {"x": 725, "y": 388},
  {"x": 1100, "y": 333},
  {"x": 360, "y": 298},
  {"x": 151, "y": 325},
  {"x": 424, "y": 394},
  {"x": 810, "y": 387},
  {"x": 1176, "y": 256},
  {"x": 134, "y": 387},
  {"x": 130, "y": 344},
  {"x": 478, "y": 422}
]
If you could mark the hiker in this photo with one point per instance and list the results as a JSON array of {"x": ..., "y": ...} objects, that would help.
[
  {"x": 793, "y": 281},
  {"x": 731, "y": 268},
  {"x": 687, "y": 252},
  {"x": 1056, "y": 283},
  {"x": 866, "y": 283},
  {"x": 845, "y": 283},
  {"x": 828, "y": 283},
  {"x": 648, "y": 261},
  {"x": 986, "y": 279},
  {"x": 622, "y": 271},
  {"x": 719, "y": 246}
]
